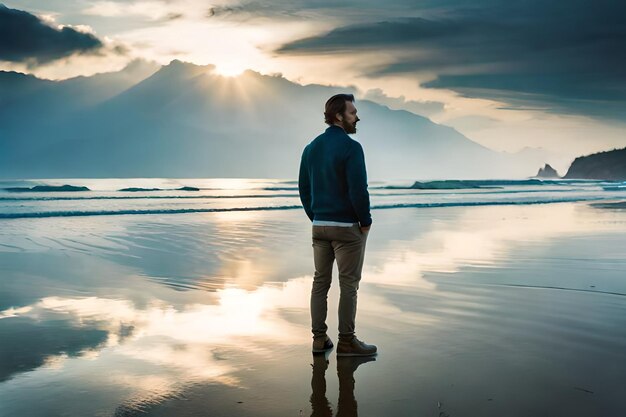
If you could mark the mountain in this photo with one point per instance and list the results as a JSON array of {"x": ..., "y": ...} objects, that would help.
[
  {"x": 19, "y": 93},
  {"x": 34, "y": 113},
  {"x": 609, "y": 165},
  {"x": 547, "y": 172},
  {"x": 184, "y": 120}
]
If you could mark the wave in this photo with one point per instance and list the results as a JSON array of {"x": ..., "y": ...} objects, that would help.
[
  {"x": 209, "y": 210},
  {"x": 410, "y": 192},
  {"x": 489, "y": 203},
  {"x": 145, "y": 211},
  {"x": 437, "y": 185},
  {"x": 441, "y": 185},
  {"x": 428, "y": 185},
  {"x": 611, "y": 205},
  {"x": 464, "y": 184},
  {"x": 104, "y": 197},
  {"x": 137, "y": 189}
]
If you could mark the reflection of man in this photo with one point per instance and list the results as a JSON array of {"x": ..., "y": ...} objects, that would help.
[
  {"x": 333, "y": 190},
  {"x": 347, "y": 405},
  {"x": 319, "y": 403}
]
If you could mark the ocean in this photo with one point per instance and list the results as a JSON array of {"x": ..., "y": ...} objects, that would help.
[
  {"x": 490, "y": 298},
  {"x": 164, "y": 196}
]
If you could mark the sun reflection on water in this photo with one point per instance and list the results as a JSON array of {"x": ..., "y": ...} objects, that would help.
[{"x": 154, "y": 349}]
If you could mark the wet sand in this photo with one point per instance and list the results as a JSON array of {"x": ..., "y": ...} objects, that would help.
[{"x": 482, "y": 311}]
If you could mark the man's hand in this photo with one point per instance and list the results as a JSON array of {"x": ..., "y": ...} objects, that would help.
[{"x": 365, "y": 229}]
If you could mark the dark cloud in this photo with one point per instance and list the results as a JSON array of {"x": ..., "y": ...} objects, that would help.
[
  {"x": 566, "y": 57},
  {"x": 174, "y": 16},
  {"x": 397, "y": 34},
  {"x": 350, "y": 10},
  {"x": 254, "y": 10},
  {"x": 553, "y": 93},
  {"x": 26, "y": 38},
  {"x": 120, "y": 49}
]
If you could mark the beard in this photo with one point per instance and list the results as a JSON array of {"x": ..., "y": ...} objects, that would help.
[{"x": 348, "y": 127}]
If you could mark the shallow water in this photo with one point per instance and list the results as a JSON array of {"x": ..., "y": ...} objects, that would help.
[
  {"x": 105, "y": 198},
  {"x": 513, "y": 310}
]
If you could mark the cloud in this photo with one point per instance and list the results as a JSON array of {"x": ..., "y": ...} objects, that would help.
[
  {"x": 254, "y": 10},
  {"x": 559, "y": 57},
  {"x": 423, "y": 108},
  {"x": 318, "y": 10},
  {"x": 174, "y": 16},
  {"x": 553, "y": 93},
  {"x": 152, "y": 10},
  {"x": 27, "y": 38}
]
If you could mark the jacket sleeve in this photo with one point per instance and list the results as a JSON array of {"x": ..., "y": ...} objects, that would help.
[
  {"x": 304, "y": 185},
  {"x": 356, "y": 176}
]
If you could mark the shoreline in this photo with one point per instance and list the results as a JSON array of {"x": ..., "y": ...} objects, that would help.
[{"x": 606, "y": 203}]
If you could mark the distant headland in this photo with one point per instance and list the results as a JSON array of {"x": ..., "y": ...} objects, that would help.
[{"x": 608, "y": 165}]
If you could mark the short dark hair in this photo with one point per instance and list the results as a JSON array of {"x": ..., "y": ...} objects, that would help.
[{"x": 336, "y": 104}]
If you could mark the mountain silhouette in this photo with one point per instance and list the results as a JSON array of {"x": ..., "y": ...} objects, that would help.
[
  {"x": 608, "y": 165},
  {"x": 184, "y": 120}
]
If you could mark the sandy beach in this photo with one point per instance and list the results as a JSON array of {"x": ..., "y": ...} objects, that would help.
[
  {"x": 165, "y": 165},
  {"x": 511, "y": 310}
]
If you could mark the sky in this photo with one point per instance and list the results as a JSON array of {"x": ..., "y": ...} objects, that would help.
[{"x": 508, "y": 75}]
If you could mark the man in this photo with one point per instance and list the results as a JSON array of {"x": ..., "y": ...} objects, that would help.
[{"x": 333, "y": 191}]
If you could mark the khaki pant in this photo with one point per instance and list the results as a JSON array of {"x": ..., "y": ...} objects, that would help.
[{"x": 347, "y": 245}]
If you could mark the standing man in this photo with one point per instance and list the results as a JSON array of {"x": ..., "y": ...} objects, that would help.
[{"x": 333, "y": 191}]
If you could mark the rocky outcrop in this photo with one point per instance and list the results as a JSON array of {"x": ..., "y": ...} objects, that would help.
[
  {"x": 547, "y": 172},
  {"x": 609, "y": 165}
]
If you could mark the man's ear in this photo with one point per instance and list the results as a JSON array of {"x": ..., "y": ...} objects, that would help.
[{"x": 339, "y": 117}]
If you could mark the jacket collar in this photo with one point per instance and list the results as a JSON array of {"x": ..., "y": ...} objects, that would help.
[{"x": 335, "y": 128}]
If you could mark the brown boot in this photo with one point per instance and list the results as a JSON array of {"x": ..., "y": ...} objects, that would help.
[
  {"x": 322, "y": 344},
  {"x": 355, "y": 347}
]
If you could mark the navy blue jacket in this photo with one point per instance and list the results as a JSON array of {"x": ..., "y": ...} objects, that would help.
[{"x": 333, "y": 180}]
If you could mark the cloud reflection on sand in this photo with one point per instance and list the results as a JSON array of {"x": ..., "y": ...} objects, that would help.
[
  {"x": 481, "y": 237},
  {"x": 184, "y": 338},
  {"x": 153, "y": 351}
]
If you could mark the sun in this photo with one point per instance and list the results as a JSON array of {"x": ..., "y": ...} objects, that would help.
[{"x": 229, "y": 69}]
